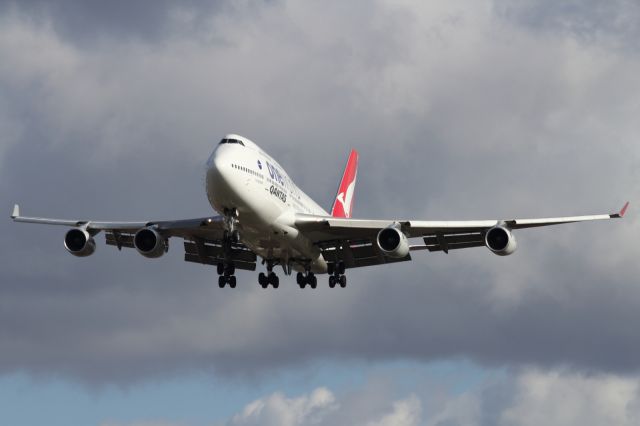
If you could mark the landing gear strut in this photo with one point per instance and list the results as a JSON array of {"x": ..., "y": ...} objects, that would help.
[
  {"x": 227, "y": 269},
  {"x": 269, "y": 278},
  {"x": 336, "y": 275}
]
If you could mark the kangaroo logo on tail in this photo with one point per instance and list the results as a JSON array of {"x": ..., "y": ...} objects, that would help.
[{"x": 343, "y": 204}]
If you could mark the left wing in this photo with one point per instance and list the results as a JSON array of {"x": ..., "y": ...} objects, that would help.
[
  {"x": 202, "y": 236},
  {"x": 354, "y": 241}
]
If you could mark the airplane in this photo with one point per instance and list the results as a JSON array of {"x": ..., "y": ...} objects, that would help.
[{"x": 262, "y": 213}]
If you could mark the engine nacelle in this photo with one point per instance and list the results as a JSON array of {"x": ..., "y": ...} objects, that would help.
[
  {"x": 149, "y": 243},
  {"x": 500, "y": 241},
  {"x": 393, "y": 242},
  {"x": 79, "y": 242}
]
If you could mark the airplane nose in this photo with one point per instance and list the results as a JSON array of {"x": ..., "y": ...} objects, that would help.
[{"x": 219, "y": 175}]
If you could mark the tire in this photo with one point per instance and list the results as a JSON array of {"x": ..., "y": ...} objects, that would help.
[
  {"x": 332, "y": 281},
  {"x": 314, "y": 281},
  {"x": 220, "y": 268},
  {"x": 343, "y": 281},
  {"x": 276, "y": 283},
  {"x": 232, "y": 281},
  {"x": 230, "y": 269},
  {"x": 341, "y": 268},
  {"x": 222, "y": 280},
  {"x": 300, "y": 279},
  {"x": 331, "y": 268}
]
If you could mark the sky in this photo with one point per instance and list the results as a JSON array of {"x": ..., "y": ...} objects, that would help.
[{"x": 466, "y": 109}]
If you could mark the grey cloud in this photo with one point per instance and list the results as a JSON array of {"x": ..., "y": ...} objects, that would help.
[
  {"x": 458, "y": 118},
  {"x": 87, "y": 22},
  {"x": 616, "y": 21}
]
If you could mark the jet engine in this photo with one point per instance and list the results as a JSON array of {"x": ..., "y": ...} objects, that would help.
[
  {"x": 500, "y": 241},
  {"x": 393, "y": 242},
  {"x": 79, "y": 242},
  {"x": 149, "y": 243}
]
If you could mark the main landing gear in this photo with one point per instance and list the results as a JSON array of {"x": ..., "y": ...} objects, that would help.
[
  {"x": 226, "y": 273},
  {"x": 336, "y": 275},
  {"x": 306, "y": 278},
  {"x": 269, "y": 278}
]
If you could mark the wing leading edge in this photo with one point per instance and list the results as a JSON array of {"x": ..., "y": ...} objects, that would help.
[{"x": 344, "y": 239}]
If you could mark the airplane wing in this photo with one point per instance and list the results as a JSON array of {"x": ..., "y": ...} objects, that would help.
[
  {"x": 354, "y": 241},
  {"x": 202, "y": 236}
]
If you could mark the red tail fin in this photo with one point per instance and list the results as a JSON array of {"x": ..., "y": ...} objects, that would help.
[{"x": 344, "y": 199}]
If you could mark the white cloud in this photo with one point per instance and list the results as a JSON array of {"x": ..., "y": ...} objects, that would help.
[
  {"x": 531, "y": 397},
  {"x": 278, "y": 410},
  {"x": 406, "y": 412},
  {"x": 563, "y": 399}
]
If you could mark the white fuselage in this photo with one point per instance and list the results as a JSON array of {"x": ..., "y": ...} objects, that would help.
[{"x": 243, "y": 177}]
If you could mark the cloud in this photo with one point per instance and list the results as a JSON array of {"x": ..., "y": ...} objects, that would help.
[
  {"x": 92, "y": 22},
  {"x": 279, "y": 410},
  {"x": 458, "y": 111},
  {"x": 556, "y": 397},
  {"x": 613, "y": 22},
  {"x": 405, "y": 413}
]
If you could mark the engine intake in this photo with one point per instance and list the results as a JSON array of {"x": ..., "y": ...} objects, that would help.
[
  {"x": 393, "y": 242},
  {"x": 500, "y": 241},
  {"x": 79, "y": 242},
  {"x": 149, "y": 243}
]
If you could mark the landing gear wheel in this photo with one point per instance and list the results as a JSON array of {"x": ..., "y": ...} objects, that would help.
[
  {"x": 222, "y": 280},
  {"x": 343, "y": 281},
  {"x": 263, "y": 280},
  {"x": 300, "y": 279},
  {"x": 313, "y": 281},
  {"x": 332, "y": 281},
  {"x": 341, "y": 268},
  {"x": 274, "y": 280},
  {"x": 220, "y": 268},
  {"x": 232, "y": 281},
  {"x": 230, "y": 269}
]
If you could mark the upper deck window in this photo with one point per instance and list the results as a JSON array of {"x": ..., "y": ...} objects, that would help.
[{"x": 231, "y": 141}]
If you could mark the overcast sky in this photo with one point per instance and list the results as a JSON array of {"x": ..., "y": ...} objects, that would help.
[{"x": 463, "y": 109}]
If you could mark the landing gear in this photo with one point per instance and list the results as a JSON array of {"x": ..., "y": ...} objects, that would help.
[
  {"x": 226, "y": 269},
  {"x": 270, "y": 278},
  {"x": 307, "y": 278},
  {"x": 336, "y": 275},
  {"x": 227, "y": 279}
]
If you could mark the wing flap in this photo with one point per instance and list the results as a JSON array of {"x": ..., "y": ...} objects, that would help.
[
  {"x": 356, "y": 256},
  {"x": 246, "y": 266},
  {"x": 118, "y": 239}
]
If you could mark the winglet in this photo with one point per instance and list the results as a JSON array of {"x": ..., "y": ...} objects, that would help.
[
  {"x": 16, "y": 211},
  {"x": 622, "y": 211}
]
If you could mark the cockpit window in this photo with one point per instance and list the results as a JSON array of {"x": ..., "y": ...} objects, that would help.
[{"x": 231, "y": 141}]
